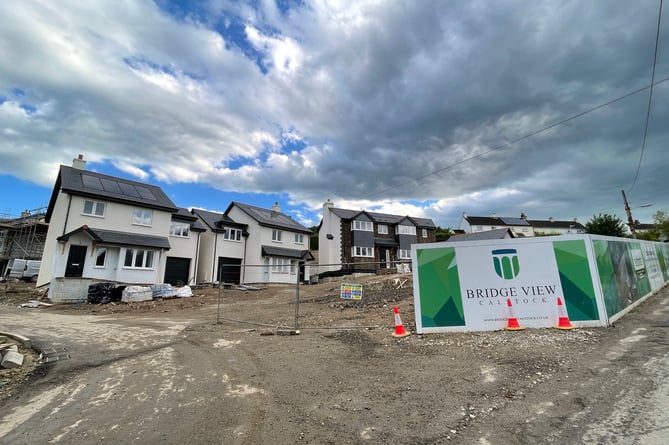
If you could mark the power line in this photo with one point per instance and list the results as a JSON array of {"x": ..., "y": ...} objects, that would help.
[
  {"x": 650, "y": 98},
  {"x": 529, "y": 135}
]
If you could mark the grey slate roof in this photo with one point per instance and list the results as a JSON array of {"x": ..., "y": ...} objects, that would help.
[
  {"x": 217, "y": 221},
  {"x": 270, "y": 218},
  {"x": 288, "y": 253},
  {"x": 120, "y": 238},
  {"x": 541, "y": 223},
  {"x": 109, "y": 188},
  {"x": 486, "y": 235},
  {"x": 385, "y": 242},
  {"x": 383, "y": 218}
]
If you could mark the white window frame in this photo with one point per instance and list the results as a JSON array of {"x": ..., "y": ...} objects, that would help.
[
  {"x": 424, "y": 233},
  {"x": 97, "y": 209},
  {"x": 144, "y": 257},
  {"x": 281, "y": 265},
  {"x": 180, "y": 229},
  {"x": 359, "y": 251},
  {"x": 277, "y": 235},
  {"x": 231, "y": 234},
  {"x": 101, "y": 252},
  {"x": 140, "y": 217},
  {"x": 406, "y": 230},
  {"x": 382, "y": 229},
  {"x": 363, "y": 226},
  {"x": 403, "y": 254},
  {"x": 299, "y": 238}
]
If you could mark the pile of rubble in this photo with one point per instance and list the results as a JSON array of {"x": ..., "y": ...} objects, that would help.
[{"x": 9, "y": 353}]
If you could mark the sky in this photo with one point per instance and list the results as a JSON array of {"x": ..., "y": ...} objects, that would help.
[{"x": 423, "y": 108}]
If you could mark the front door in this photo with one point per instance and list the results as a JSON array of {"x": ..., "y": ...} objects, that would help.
[
  {"x": 383, "y": 258},
  {"x": 75, "y": 261}
]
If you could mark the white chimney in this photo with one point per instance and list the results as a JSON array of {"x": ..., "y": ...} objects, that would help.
[
  {"x": 276, "y": 207},
  {"x": 79, "y": 163},
  {"x": 494, "y": 215}
]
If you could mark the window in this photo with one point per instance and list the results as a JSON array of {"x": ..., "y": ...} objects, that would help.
[
  {"x": 299, "y": 238},
  {"x": 424, "y": 233},
  {"x": 179, "y": 229},
  {"x": 232, "y": 234},
  {"x": 138, "y": 259},
  {"x": 93, "y": 208},
  {"x": 366, "y": 226},
  {"x": 281, "y": 265},
  {"x": 363, "y": 251},
  {"x": 383, "y": 229},
  {"x": 142, "y": 217},
  {"x": 100, "y": 256},
  {"x": 407, "y": 230},
  {"x": 276, "y": 235},
  {"x": 403, "y": 254}
]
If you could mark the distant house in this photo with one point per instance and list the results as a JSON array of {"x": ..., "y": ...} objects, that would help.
[
  {"x": 276, "y": 247},
  {"x": 520, "y": 226},
  {"x": 552, "y": 226},
  {"x": 504, "y": 233},
  {"x": 224, "y": 243},
  {"x": 358, "y": 241},
  {"x": 103, "y": 228}
]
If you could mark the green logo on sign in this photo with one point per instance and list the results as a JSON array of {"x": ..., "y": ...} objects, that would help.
[{"x": 506, "y": 263}]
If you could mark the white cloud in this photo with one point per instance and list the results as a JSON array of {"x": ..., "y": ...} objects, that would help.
[{"x": 380, "y": 93}]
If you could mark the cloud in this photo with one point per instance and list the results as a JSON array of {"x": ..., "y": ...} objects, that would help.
[{"x": 407, "y": 104}]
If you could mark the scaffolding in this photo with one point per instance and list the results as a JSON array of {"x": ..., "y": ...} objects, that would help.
[{"x": 23, "y": 237}]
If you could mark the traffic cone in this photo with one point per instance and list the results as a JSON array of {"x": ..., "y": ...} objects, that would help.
[
  {"x": 399, "y": 327},
  {"x": 512, "y": 324},
  {"x": 563, "y": 318}
]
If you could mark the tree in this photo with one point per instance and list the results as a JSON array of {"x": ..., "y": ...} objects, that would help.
[
  {"x": 605, "y": 224},
  {"x": 661, "y": 221},
  {"x": 443, "y": 234}
]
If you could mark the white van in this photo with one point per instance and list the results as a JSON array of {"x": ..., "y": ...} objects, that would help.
[
  {"x": 14, "y": 269},
  {"x": 31, "y": 271},
  {"x": 26, "y": 270}
]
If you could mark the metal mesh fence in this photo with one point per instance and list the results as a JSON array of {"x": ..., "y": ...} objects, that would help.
[{"x": 357, "y": 295}]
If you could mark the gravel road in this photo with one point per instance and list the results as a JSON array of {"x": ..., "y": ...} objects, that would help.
[{"x": 167, "y": 372}]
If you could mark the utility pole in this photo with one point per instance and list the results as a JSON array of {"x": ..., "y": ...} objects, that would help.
[{"x": 630, "y": 220}]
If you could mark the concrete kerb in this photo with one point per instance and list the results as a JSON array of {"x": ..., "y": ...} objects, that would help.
[{"x": 25, "y": 341}]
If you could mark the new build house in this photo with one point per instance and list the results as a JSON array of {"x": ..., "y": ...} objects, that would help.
[
  {"x": 358, "y": 241},
  {"x": 103, "y": 228},
  {"x": 277, "y": 246}
]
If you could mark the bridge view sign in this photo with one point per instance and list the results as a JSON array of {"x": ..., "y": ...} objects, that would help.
[{"x": 464, "y": 286}]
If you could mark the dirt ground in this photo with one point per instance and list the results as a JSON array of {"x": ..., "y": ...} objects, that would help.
[{"x": 515, "y": 387}]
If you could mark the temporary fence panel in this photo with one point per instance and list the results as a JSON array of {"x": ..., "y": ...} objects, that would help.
[{"x": 464, "y": 286}]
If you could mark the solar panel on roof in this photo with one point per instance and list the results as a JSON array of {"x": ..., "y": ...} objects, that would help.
[
  {"x": 91, "y": 182},
  {"x": 514, "y": 221},
  {"x": 110, "y": 186},
  {"x": 145, "y": 193},
  {"x": 128, "y": 190}
]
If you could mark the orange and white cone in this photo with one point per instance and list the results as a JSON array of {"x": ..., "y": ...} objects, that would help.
[
  {"x": 563, "y": 317},
  {"x": 512, "y": 323},
  {"x": 399, "y": 327}
]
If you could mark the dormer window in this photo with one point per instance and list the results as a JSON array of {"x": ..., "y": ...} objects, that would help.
[
  {"x": 365, "y": 226},
  {"x": 179, "y": 229},
  {"x": 407, "y": 230},
  {"x": 232, "y": 234}
]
